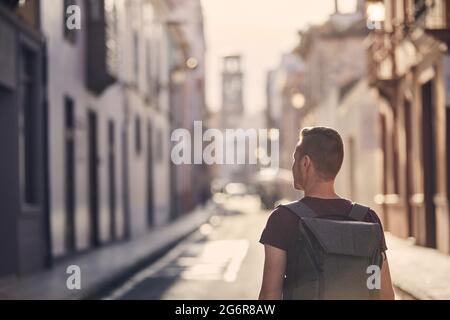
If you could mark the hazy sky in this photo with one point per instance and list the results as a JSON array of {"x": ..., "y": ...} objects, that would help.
[{"x": 260, "y": 30}]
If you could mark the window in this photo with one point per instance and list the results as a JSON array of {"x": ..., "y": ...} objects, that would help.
[
  {"x": 137, "y": 136},
  {"x": 149, "y": 70},
  {"x": 101, "y": 44},
  {"x": 69, "y": 35},
  {"x": 420, "y": 9},
  {"x": 28, "y": 11}
]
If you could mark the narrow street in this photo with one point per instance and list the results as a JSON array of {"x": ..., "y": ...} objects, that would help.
[
  {"x": 141, "y": 137},
  {"x": 222, "y": 260}
]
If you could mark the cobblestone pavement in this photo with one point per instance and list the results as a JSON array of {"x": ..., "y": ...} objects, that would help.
[
  {"x": 223, "y": 260},
  {"x": 419, "y": 272}
]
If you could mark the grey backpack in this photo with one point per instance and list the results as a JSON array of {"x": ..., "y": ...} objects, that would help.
[{"x": 334, "y": 258}]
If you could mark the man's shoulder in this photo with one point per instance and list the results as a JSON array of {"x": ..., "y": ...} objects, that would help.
[
  {"x": 281, "y": 210},
  {"x": 372, "y": 216},
  {"x": 282, "y": 213},
  {"x": 280, "y": 229}
]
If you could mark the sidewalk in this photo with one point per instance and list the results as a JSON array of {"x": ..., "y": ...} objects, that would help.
[
  {"x": 103, "y": 267},
  {"x": 423, "y": 273}
]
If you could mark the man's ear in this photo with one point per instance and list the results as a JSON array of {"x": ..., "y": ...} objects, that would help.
[{"x": 306, "y": 161}]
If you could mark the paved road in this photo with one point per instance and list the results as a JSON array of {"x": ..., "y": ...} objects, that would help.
[{"x": 223, "y": 260}]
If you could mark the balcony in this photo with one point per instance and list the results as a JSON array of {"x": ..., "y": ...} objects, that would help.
[
  {"x": 434, "y": 18},
  {"x": 26, "y": 12},
  {"x": 101, "y": 48},
  {"x": 438, "y": 25},
  {"x": 394, "y": 44}
]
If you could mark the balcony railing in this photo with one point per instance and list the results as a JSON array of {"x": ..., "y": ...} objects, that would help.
[
  {"x": 379, "y": 50},
  {"x": 101, "y": 46},
  {"x": 12, "y": 4},
  {"x": 430, "y": 17}
]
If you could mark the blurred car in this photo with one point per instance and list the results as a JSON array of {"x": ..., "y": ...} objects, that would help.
[
  {"x": 269, "y": 182},
  {"x": 218, "y": 186},
  {"x": 236, "y": 189}
]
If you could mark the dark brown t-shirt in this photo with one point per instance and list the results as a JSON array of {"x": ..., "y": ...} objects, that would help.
[{"x": 282, "y": 226}]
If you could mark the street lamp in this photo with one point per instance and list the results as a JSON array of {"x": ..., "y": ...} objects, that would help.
[
  {"x": 298, "y": 100},
  {"x": 376, "y": 14},
  {"x": 192, "y": 63}
]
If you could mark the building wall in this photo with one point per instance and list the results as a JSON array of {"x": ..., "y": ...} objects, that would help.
[
  {"x": 336, "y": 95},
  {"x": 333, "y": 62},
  {"x": 357, "y": 122},
  {"x": 413, "y": 118},
  {"x": 67, "y": 78},
  {"x": 134, "y": 95},
  {"x": 187, "y": 98},
  {"x": 23, "y": 206},
  {"x": 123, "y": 102}
]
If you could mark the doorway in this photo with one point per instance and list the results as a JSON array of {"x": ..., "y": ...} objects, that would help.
[
  {"x": 93, "y": 177},
  {"x": 125, "y": 182},
  {"x": 447, "y": 143},
  {"x": 112, "y": 180},
  {"x": 150, "y": 164},
  {"x": 429, "y": 164},
  {"x": 351, "y": 167},
  {"x": 408, "y": 169},
  {"x": 70, "y": 186}
]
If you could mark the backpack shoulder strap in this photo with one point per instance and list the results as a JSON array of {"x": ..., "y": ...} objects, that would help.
[
  {"x": 300, "y": 209},
  {"x": 358, "y": 212}
]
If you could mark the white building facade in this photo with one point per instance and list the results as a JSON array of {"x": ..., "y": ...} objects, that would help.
[{"x": 109, "y": 140}]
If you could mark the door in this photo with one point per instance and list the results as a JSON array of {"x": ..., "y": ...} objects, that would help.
[
  {"x": 70, "y": 174},
  {"x": 93, "y": 195},
  {"x": 112, "y": 180},
  {"x": 408, "y": 169},
  {"x": 447, "y": 143},
  {"x": 351, "y": 167},
  {"x": 24, "y": 216},
  {"x": 150, "y": 199},
  {"x": 32, "y": 217},
  {"x": 429, "y": 164},
  {"x": 125, "y": 183}
]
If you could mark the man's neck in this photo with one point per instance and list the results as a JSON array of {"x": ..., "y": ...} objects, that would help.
[{"x": 322, "y": 189}]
